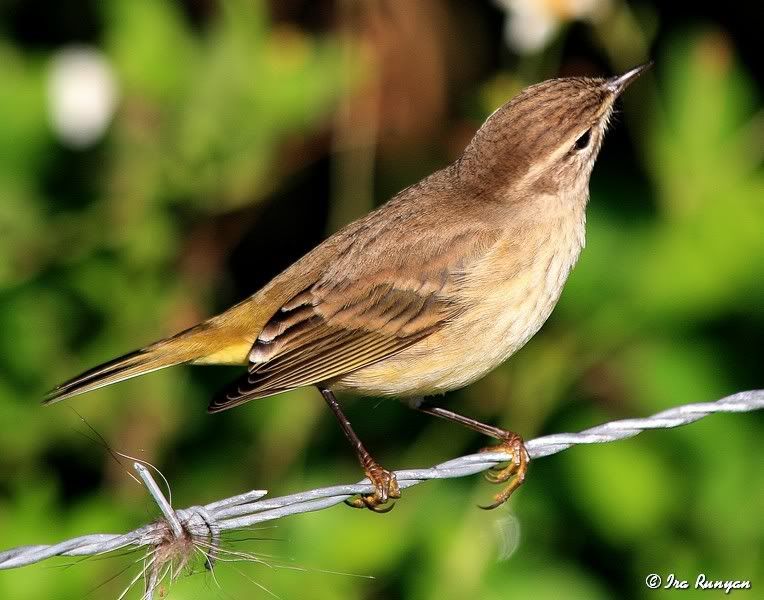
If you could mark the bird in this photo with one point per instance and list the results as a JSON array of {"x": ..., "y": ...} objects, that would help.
[{"x": 427, "y": 293}]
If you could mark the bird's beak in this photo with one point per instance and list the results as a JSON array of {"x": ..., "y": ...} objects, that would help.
[{"x": 620, "y": 82}]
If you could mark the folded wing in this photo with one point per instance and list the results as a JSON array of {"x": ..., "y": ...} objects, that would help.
[
  {"x": 325, "y": 332},
  {"x": 385, "y": 284}
]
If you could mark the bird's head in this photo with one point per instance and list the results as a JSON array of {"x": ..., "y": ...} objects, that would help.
[{"x": 546, "y": 138}]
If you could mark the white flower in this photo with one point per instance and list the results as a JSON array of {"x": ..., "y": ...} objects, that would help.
[
  {"x": 531, "y": 24},
  {"x": 82, "y": 95}
]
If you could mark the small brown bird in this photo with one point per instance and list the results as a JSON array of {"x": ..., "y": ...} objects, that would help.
[{"x": 427, "y": 293}]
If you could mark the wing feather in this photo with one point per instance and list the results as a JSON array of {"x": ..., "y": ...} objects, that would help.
[
  {"x": 367, "y": 302},
  {"x": 325, "y": 350}
]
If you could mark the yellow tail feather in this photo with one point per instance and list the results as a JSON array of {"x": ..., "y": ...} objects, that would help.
[{"x": 204, "y": 343}]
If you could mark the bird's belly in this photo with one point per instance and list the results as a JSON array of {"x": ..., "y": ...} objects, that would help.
[{"x": 502, "y": 316}]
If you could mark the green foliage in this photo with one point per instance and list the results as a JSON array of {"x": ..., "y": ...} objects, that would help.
[{"x": 656, "y": 314}]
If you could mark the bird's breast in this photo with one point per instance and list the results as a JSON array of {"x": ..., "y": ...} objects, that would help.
[{"x": 506, "y": 296}]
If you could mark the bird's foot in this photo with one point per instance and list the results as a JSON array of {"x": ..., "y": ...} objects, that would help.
[
  {"x": 514, "y": 471},
  {"x": 385, "y": 488}
]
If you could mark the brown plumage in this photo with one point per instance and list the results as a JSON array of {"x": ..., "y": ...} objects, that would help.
[{"x": 430, "y": 291}]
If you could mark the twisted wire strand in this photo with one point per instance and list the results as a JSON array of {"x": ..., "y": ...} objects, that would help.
[{"x": 247, "y": 509}]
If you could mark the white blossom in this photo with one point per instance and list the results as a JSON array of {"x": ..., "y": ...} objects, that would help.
[
  {"x": 531, "y": 24},
  {"x": 82, "y": 95}
]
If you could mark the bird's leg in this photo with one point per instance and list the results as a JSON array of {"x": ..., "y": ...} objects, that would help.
[
  {"x": 509, "y": 442},
  {"x": 384, "y": 481}
]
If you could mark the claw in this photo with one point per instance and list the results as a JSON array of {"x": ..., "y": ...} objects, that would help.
[
  {"x": 514, "y": 472},
  {"x": 385, "y": 488},
  {"x": 355, "y": 502},
  {"x": 382, "y": 511}
]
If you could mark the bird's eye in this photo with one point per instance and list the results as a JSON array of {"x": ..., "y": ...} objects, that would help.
[{"x": 583, "y": 141}]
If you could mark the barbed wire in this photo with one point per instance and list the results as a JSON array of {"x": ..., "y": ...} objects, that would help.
[{"x": 245, "y": 510}]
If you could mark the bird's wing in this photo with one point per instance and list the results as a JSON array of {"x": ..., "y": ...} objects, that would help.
[{"x": 369, "y": 304}]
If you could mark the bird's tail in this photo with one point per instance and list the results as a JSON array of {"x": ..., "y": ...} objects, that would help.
[{"x": 198, "y": 344}]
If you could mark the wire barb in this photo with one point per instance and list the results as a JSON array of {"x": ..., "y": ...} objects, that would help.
[{"x": 249, "y": 508}]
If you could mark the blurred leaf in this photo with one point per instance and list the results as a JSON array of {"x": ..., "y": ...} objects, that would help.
[{"x": 625, "y": 489}]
